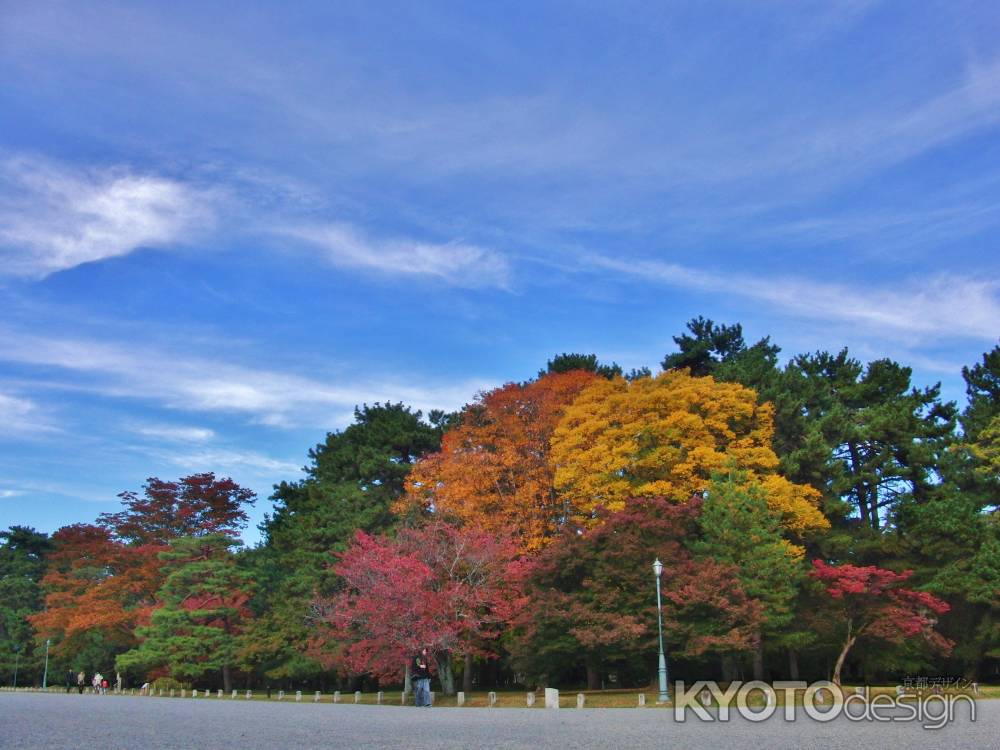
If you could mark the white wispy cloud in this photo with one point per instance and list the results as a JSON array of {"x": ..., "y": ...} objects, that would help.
[
  {"x": 944, "y": 305},
  {"x": 194, "y": 384},
  {"x": 55, "y": 216},
  {"x": 177, "y": 433},
  {"x": 4, "y": 494},
  {"x": 457, "y": 263},
  {"x": 232, "y": 461},
  {"x": 20, "y": 416}
]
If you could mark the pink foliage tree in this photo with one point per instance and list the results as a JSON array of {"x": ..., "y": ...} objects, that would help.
[
  {"x": 873, "y": 604},
  {"x": 439, "y": 586}
]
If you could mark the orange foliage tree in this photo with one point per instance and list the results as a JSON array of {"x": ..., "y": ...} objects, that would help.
[
  {"x": 96, "y": 586},
  {"x": 666, "y": 436},
  {"x": 493, "y": 470}
]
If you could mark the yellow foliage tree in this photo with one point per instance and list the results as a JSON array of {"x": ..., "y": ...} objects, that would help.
[{"x": 666, "y": 436}]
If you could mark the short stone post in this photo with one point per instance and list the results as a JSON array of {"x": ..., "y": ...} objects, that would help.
[
  {"x": 378, "y": 698},
  {"x": 402, "y": 698},
  {"x": 298, "y": 696},
  {"x": 219, "y": 693},
  {"x": 336, "y": 696},
  {"x": 975, "y": 688},
  {"x": 581, "y": 700},
  {"x": 530, "y": 699},
  {"x": 249, "y": 694},
  {"x": 899, "y": 691},
  {"x": 551, "y": 698},
  {"x": 233, "y": 696},
  {"x": 206, "y": 692},
  {"x": 460, "y": 698},
  {"x": 357, "y": 696},
  {"x": 432, "y": 697},
  {"x": 281, "y": 695},
  {"x": 706, "y": 698},
  {"x": 171, "y": 692},
  {"x": 161, "y": 692},
  {"x": 317, "y": 697},
  {"x": 642, "y": 699},
  {"x": 491, "y": 699}
]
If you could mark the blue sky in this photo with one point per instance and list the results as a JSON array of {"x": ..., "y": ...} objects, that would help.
[{"x": 222, "y": 225}]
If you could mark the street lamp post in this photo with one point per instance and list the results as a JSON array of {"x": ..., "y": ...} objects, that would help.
[
  {"x": 45, "y": 676},
  {"x": 664, "y": 690},
  {"x": 17, "y": 659}
]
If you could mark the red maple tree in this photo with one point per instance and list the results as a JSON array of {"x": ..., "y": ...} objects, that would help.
[
  {"x": 872, "y": 604},
  {"x": 439, "y": 586}
]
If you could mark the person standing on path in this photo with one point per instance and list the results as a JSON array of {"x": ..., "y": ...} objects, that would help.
[
  {"x": 81, "y": 680},
  {"x": 422, "y": 679}
]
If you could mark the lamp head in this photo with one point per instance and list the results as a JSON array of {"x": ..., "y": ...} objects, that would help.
[{"x": 657, "y": 567}]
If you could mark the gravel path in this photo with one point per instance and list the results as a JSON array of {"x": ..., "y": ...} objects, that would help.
[{"x": 31, "y": 720}]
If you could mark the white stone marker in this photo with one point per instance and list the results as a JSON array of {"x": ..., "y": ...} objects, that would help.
[
  {"x": 642, "y": 699},
  {"x": 551, "y": 698},
  {"x": 378, "y": 698},
  {"x": 219, "y": 694},
  {"x": 317, "y": 697},
  {"x": 706, "y": 698},
  {"x": 975, "y": 688},
  {"x": 581, "y": 700},
  {"x": 161, "y": 692},
  {"x": 357, "y": 696},
  {"x": 233, "y": 696},
  {"x": 491, "y": 699},
  {"x": 899, "y": 690},
  {"x": 432, "y": 697},
  {"x": 249, "y": 694},
  {"x": 336, "y": 696},
  {"x": 402, "y": 698},
  {"x": 460, "y": 698},
  {"x": 281, "y": 695},
  {"x": 298, "y": 696},
  {"x": 530, "y": 697}
]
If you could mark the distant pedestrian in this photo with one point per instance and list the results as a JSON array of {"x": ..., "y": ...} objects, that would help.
[
  {"x": 70, "y": 679},
  {"x": 104, "y": 686},
  {"x": 421, "y": 674},
  {"x": 96, "y": 682},
  {"x": 81, "y": 680}
]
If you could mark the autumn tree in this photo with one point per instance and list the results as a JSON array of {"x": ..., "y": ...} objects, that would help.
[
  {"x": 439, "y": 586},
  {"x": 202, "y": 606},
  {"x": 870, "y": 603},
  {"x": 195, "y": 505},
  {"x": 589, "y": 604},
  {"x": 492, "y": 471},
  {"x": 666, "y": 436},
  {"x": 102, "y": 580}
]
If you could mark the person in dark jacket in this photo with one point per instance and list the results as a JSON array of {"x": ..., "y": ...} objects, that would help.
[{"x": 421, "y": 675}]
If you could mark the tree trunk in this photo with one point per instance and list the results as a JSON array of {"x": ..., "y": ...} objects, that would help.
[
  {"x": 227, "y": 680},
  {"x": 467, "y": 674},
  {"x": 445, "y": 675},
  {"x": 843, "y": 656},
  {"x": 758, "y": 659},
  {"x": 593, "y": 676},
  {"x": 793, "y": 664}
]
